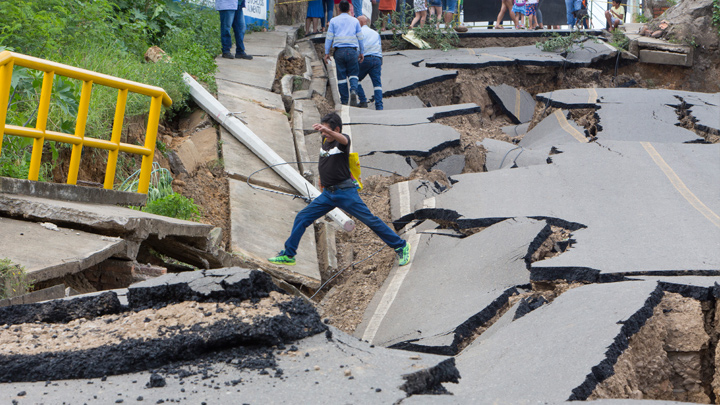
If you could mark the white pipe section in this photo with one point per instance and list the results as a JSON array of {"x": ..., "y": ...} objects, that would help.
[{"x": 221, "y": 114}]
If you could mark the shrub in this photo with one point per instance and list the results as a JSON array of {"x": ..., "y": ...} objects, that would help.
[
  {"x": 14, "y": 281},
  {"x": 176, "y": 206},
  {"x": 105, "y": 36}
]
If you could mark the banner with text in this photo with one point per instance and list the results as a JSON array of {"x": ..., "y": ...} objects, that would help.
[{"x": 256, "y": 9}]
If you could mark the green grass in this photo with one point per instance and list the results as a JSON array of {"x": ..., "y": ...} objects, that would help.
[
  {"x": 14, "y": 281},
  {"x": 105, "y": 36}
]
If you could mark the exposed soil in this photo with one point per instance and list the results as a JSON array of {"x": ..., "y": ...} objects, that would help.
[
  {"x": 209, "y": 189},
  {"x": 172, "y": 320},
  {"x": 670, "y": 358}
]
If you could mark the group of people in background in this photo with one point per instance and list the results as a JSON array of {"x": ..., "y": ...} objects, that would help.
[
  {"x": 576, "y": 14},
  {"x": 529, "y": 9},
  {"x": 319, "y": 12}
]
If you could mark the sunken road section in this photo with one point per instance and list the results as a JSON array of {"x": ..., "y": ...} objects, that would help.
[{"x": 177, "y": 317}]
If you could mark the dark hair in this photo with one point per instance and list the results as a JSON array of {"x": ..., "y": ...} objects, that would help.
[
  {"x": 344, "y": 6},
  {"x": 333, "y": 120}
]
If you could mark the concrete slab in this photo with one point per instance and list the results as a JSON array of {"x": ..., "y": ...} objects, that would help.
[
  {"x": 516, "y": 130},
  {"x": 640, "y": 114},
  {"x": 409, "y": 196},
  {"x": 267, "y": 43},
  {"x": 331, "y": 370},
  {"x": 263, "y": 98},
  {"x": 705, "y": 108},
  {"x": 262, "y": 233},
  {"x": 64, "y": 251},
  {"x": 399, "y": 103},
  {"x": 223, "y": 284},
  {"x": 106, "y": 219},
  {"x": 69, "y": 192},
  {"x": 634, "y": 208},
  {"x": 400, "y": 75},
  {"x": 642, "y": 123},
  {"x": 50, "y": 293},
  {"x": 414, "y": 116},
  {"x": 703, "y": 288},
  {"x": 401, "y": 165},
  {"x": 579, "y": 336},
  {"x": 441, "y": 302},
  {"x": 240, "y": 163},
  {"x": 665, "y": 58},
  {"x": 451, "y": 165},
  {"x": 590, "y": 53},
  {"x": 413, "y": 140},
  {"x": 260, "y": 71},
  {"x": 310, "y": 114},
  {"x": 555, "y": 129},
  {"x": 505, "y": 155},
  {"x": 272, "y": 127},
  {"x": 517, "y": 104}
]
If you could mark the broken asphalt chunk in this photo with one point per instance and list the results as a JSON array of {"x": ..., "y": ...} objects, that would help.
[
  {"x": 517, "y": 104},
  {"x": 505, "y": 155},
  {"x": 441, "y": 302},
  {"x": 579, "y": 336}
]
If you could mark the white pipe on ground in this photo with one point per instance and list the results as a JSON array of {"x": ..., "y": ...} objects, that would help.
[{"x": 221, "y": 114}]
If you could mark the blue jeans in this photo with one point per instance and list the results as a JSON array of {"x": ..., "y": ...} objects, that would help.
[
  {"x": 348, "y": 200},
  {"x": 328, "y": 11},
  {"x": 570, "y": 7},
  {"x": 357, "y": 7},
  {"x": 346, "y": 65},
  {"x": 372, "y": 65},
  {"x": 450, "y": 6},
  {"x": 232, "y": 19}
]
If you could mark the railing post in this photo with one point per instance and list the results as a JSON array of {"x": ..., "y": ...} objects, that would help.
[
  {"x": 5, "y": 80},
  {"x": 79, "y": 131},
  {"x": 150, "y": 138},
  {"x": 41, "y": 125},
  {"x": 115, "y": 138}
]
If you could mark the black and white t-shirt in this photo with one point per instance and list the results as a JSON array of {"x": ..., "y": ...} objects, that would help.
[{"x": 334, "y": 166}]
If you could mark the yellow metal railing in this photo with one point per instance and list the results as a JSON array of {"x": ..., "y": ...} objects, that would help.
[{"x": 158, "y": 98}]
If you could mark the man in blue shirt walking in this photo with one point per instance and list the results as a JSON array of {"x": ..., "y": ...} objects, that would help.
[
  {"x": 231, "y": 17},
  {"x": 372, "y": 64},
  {"x": 345, "y": 37}
]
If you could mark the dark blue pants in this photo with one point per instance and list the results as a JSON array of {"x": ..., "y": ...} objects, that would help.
[
  {"x": 328, "y": 10},
  {"x": 348, "y": 200},
  {"x": 346, "y": 66},
  {"x": 232, "y": 19},
  {"x": 372, "y": 66}
]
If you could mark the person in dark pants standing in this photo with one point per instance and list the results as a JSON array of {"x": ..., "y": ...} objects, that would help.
[
  {"x": 345, "y": 37},
  {"x": 339, "y": 191},
  {"x": 371, "y": 65},
  {"x": 328, "y": 8},
  {"x": 231, "y": 17}
]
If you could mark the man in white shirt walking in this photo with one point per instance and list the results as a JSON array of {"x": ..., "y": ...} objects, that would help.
[{"x": 371, "y": 65}]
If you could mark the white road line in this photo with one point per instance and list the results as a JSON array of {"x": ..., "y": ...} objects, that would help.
[{"x": 391, "y": 293}]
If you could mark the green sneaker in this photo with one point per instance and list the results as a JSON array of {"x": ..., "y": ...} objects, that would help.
[
  {"x": 282, "y": 258},
  {"x": 403, "y": 254}
]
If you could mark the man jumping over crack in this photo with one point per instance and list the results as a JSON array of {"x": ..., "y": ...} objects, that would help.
[{"x": 339, "y": 191}]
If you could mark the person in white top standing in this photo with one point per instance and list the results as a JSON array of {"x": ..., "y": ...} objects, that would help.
[{"x": 371, "y": 64}]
